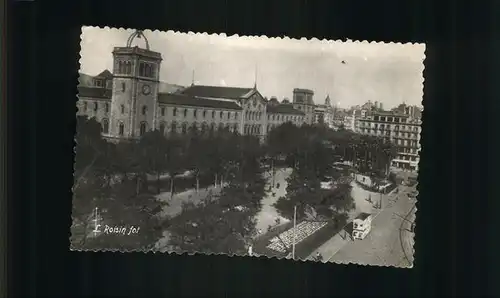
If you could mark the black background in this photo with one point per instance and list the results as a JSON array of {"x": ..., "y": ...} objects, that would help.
[{"x": 456, "y": 236}]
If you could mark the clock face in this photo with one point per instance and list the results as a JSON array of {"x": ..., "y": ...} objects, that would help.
[{"x": 146, "y": 89}]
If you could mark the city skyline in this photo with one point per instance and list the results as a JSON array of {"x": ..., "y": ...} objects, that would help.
[{"x": 350, "y": 73}]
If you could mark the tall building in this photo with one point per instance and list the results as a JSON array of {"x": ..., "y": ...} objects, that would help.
[
  {"x": 303, "y": 101},
  {"x": 403, "y": 130},
  {"x": 132, "y": 100},
  {"x": 324, "y": 113}
]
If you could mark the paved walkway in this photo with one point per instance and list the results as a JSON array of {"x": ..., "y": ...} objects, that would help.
[
  {"x": 383, "y": 246},
  {"x": 341, "y": 239}
]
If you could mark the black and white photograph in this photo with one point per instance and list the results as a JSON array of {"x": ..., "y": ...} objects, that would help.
[{"x": 299, "y": 149}]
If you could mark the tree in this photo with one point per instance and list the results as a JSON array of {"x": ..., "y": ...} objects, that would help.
[
  {"x": 153, "y": 147},
  {"x": 125, "y": 209},
  {"x": 218, "y": 225},
  {"x": 176, "y": 159},
  {"x": 304, "y": 192},
  {"x": 197, "y": 159}
]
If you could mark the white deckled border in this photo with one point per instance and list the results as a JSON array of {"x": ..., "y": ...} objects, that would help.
[{"x": 323, "y": 43}]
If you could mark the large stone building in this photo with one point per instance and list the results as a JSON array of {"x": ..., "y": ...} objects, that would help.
[
  {"x": 324, "y": 113},
  {"x": 303, "y": 101},
  {"x": 129, "y": 101},
  {"x": 401, "y": 129}
]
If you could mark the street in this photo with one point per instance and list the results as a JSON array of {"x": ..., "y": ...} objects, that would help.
[{"x": 389, "y": 243}]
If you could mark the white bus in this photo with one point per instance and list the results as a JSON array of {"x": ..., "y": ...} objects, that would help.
[{"x": 362, "y": 225}]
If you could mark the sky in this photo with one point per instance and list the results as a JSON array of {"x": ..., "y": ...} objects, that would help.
[{"x": 387, "y": 73}]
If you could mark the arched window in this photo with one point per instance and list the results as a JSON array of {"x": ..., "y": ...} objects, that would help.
[
  {"x": 174, "y": 127},
  {"x": 106, "y": 107},
  {"x": 195, "y": 112},
  {"x": 120, "y": 67},
  {"x": 204, "y": 114},
  {"x": 143, "y": 128},
  {"x": 185, "y": 113},
  {"x": 175, "y": 112},
  {"x": 141, "y": 69},
  {"x": 228, "y": 115},
  {"x": 96, "y": 107},
  {"x": 144, "y": 110},
  {"x": 127, "y": 67},
  {"x": 162, "y": 128},
  {"x": 236, "y": 115},
  {"x": 105, "y": 125},
  {"x": 122, "y": 108},
  {"x": 213, "y": 114},
  {"x": 184, "y": 128},
  {"x": 121, "y": 129},
  {"x": 221, "y": 114}
]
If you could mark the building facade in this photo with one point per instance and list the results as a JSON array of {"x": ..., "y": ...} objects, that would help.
[
  {"x": 303, "y": 101},
  {"x": 401, "y": 129},
  {"x": 129, "y": 101},
  {"x": 324, "y": 113}
]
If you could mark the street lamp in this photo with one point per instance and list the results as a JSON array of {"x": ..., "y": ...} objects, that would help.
[{"x": 294, "y": 230}]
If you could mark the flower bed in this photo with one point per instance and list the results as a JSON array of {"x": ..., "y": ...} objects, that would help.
[{"x": 284, "y": 241}]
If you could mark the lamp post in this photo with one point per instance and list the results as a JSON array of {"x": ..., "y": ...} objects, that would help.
[{"x": 294, "y": 230}]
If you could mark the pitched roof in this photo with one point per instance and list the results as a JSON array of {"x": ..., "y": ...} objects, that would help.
[
  {"x": 217, "y": 91},
  {"x": 94, "y": 92},
  {"x": 106, "y": 74},
  {"x": 283, "y": 109},
  {"x": 301, "y": 90},
  {"x": 186, "y": 100}
]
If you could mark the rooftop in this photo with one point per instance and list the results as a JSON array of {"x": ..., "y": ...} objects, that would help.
[
  {"x": 363, "y": 216},
  {"x": 217, "y": 92},
  {"x": 136, "y": 51},
  {"x": 299, "y": 90},
  {"x": 187, "y": 100},
  {"x": 106, "y": 74},
  {"x": 283, "y": 109},
  {"x": 94, "y": 92}
]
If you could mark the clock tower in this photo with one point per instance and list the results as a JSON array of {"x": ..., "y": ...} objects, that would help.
[{"x": 136, "y": 73}]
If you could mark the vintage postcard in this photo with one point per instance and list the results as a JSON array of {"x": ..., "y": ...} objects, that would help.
[{"x": 250, "y": 146}]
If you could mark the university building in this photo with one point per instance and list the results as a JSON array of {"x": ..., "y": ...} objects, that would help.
[
  {"x": 130, "y": 100},
  {"x": 401, "y": 129}
]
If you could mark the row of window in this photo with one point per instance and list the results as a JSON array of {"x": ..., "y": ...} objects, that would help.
[
  {"x": 95, "y": 106},
  {"x": 391, "y": 119},
  {"x": 248, "y": 129},
  {"x": 252, "y": 129},
  {"x": 184, "y": 113},
  {"x": 405, "y": 157},
  {"x": 388, "y": 126},
  {"x": 204, "y": 127},
  {"x": 306, "y": 109},
  {"x": 409, "y": 150},
  {"x": 253, "y": 115},
  {"x": 145, "y": 69},
  {"x": 121, "y": 127},
  {"x": 283, "y": 117},
  {"x": 388, "y": 133}
]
